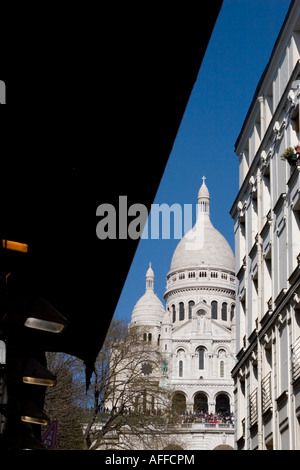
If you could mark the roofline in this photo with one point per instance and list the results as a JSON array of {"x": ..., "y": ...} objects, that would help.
[
  {"x": 251, "y": 171},
  {"x": 257, "y": 90}
]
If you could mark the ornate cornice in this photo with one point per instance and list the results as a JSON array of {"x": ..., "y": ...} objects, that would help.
[
  {"x": 176, "y": 291},
  {"x": 181, "y": 340},
  {"x": 200, "y": 384},
  {"x": 222, "y": 340}
]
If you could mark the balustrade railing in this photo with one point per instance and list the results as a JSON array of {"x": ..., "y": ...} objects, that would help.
[{"x": 208, "y": 425}]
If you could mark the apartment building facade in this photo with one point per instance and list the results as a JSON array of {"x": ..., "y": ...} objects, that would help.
[{"x": 266, "y": 216}]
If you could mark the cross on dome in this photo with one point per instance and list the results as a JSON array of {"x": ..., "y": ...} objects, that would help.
[{"x": 203, "y": 243}]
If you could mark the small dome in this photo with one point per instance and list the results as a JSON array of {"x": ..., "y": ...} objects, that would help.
[
  {"x": 223, "y": 447},
  {"x": 149, "y": 309},
  {"x": 203, "y": 191},
  {"x": 150, "y": 273}
]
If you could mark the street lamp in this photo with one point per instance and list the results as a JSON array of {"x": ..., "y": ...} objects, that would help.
[
  {"x": 36, "y": 374},
  {"x": 22, "y": 352},
  {"x": 44, "y": 317}
]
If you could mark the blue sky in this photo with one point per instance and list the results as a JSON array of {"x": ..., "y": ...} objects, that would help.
[{"x": 238, "y": 51}]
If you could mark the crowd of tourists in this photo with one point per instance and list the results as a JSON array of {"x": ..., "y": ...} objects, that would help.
[{"x": 222, "y": 417}]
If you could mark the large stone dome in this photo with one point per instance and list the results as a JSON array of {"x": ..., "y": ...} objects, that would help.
[
  {"x": 149, "y": 310},
  {"x": 203, "y": 246}
]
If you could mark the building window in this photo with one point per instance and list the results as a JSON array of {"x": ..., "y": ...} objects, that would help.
[
  {"x": 214, "y": 310},
  {"x": 181, "y": 311},
  {"x": 174, "y": 313},
  {"x": 149, "y": 337},
  {"x": 181, "y": 276},
  {"x": 232, "y": 312},
  {"x": 295, "y": 220},
  {"x": 214, "y": 274},
  {"x": 201, "y": 357},
  {"x": 145, "y": 337},
  {"x": 202, "y": 274},
  {"x": 192, "y": 274},
  {"x": 144, "y": 401},
  {"x": 166, "y": 347},
  {"x": 222, "y": 403},
  {"x": 222, "y": 369},
  {"x": 180, "y": 368},
  {"x": 283, "y": 359},
  {"x": 224, "y": 311},
  {"x": 200, "y": 402},
  {"x": 191, "y": 305},
  {"x": 152, "y": 403},
  {"x": 203, "y": 206}
]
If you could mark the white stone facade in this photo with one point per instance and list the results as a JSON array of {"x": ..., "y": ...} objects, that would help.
[
  {"x": 267, "y": 240},
  {"x": 195, "y": 332}
]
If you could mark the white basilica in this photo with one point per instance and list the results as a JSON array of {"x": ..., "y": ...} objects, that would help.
[{"x": 196, "y": 330}]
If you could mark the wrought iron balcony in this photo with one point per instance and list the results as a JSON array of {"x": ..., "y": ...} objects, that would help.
[
  {"x": 253, "y": 407},
  {"x": 296, "y": 359},
  {"x": 266, "y": 393}
]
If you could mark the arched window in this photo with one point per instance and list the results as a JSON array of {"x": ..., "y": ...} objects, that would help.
[
  {"x": 191, "y": 304},
  {"x": 222, "y": 369},
  {"x": 232, "y": 312},
  {"x": 224, "y": 311},
  {"x": 149, "y": 337},
  {"x": 221, "y": 353},
  {"x": 201, "y": 352},
  {"x": 200, "y": 402},
  {"x": 222, "y": 403},
  {"x": 214, "y": 310},
  {"x": 173, "y": 313},
  {"x": 181, "y": 311},
  {"x": 145, "y": 337},
  {"x": 180, "y": 368}
]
